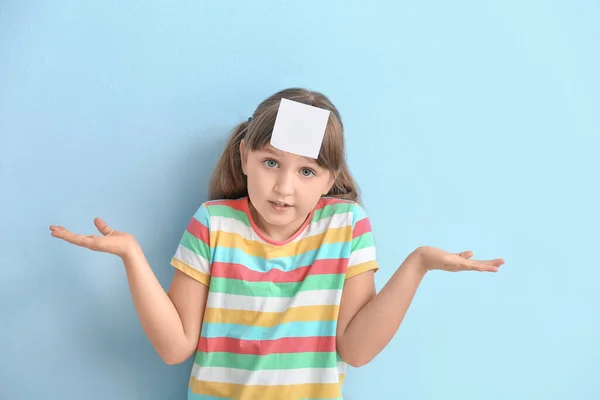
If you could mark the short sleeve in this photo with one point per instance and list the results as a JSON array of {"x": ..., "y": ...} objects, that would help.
[
  {"x": 192, "y": 256},
  {"x": 363, "y": 256}
]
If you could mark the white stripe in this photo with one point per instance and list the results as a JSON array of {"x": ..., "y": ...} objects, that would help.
[
  {"x": 272, "y": 377},
  {"x": 273, "y": 304},
  {"x": 341, "y": 367},
  {"x": 232, "y": 225},
  {"x": 362, "y": 256},
  {"x": 192, "y": 259}
]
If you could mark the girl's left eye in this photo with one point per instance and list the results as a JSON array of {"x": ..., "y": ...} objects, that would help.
[{"x": 307, "y": 172}]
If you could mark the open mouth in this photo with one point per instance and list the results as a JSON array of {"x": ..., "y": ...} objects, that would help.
[{"x": 279, "y": 204}]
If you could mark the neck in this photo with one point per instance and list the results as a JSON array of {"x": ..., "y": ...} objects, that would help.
[{"x": 274, "y": 232}]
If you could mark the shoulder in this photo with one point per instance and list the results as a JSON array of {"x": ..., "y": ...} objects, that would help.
[
  {"x": 233, "y": 209},
  {"x": 329, "y": 206},
  {"x": 225, "y": 204}
]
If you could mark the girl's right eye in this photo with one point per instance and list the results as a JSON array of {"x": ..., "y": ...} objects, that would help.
[{"x": 270, "y": 163}]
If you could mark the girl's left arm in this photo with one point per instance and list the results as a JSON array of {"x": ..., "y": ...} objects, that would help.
[{"x": 366, "y": 321}]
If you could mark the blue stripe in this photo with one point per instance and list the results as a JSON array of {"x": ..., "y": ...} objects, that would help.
[
  {"x": 201, "y": 215},
  {"x": 358, "y": 213},
  {"x": 324, "y": 252},
  {"x": 290, "y": 329}
]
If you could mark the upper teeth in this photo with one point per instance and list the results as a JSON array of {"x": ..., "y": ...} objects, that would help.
[{"x": 279, "y": 204}]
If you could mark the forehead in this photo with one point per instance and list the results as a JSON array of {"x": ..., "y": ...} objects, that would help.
[{"x": 268, "y": 149}]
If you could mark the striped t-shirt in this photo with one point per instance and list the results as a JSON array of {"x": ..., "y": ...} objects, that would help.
[{"x": 269, "y": 329}]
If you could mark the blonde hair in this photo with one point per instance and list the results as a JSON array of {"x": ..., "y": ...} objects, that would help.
[{"x": 228, "y": 180}]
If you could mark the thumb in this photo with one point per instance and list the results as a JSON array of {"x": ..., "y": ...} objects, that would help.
[
  {"x": 102, "y": 226},
  {"x": 466, "y": 254}
]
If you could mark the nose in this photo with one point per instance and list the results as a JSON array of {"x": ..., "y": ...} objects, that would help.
[{"x": 284, "y": 185}]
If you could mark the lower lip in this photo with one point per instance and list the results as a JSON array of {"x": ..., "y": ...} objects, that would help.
[{"x": 278, "y": 207}]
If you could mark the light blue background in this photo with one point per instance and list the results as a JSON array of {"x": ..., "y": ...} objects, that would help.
[{"x": 470, "y": 125}]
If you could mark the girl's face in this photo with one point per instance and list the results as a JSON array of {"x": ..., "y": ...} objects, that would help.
[{"x": 283, "y": 188}]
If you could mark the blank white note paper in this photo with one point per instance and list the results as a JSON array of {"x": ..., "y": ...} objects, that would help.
[{"x": 299, "y": 128}]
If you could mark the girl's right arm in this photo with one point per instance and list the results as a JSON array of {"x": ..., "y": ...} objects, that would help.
[{"x": 172, "y": 321}]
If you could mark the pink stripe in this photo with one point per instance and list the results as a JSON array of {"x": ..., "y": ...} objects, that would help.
[
  {"x": 264, "y": 347},
  {"x": 238, "y": 271},
  {"x": 238, "y": 204},
  {"x": 361, "y": 227},
  {"x": 200, "y": 231}
]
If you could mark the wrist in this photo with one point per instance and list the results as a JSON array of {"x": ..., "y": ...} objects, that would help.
[
  {"x": 419, "y": 261},
  {"x": 132, "y": 252}
]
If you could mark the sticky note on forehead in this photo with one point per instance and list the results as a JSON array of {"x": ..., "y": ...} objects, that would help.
[{"x": 299, "y": 128}]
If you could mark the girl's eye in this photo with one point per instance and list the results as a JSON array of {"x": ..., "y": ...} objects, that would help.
[
  {"x": 270, "y": 163},
  {"x": 307, "y": 172}
]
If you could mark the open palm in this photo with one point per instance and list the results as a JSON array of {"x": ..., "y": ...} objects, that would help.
[
  {"x": 439, "y": 259},
  {"x": 111, "y": 241}
]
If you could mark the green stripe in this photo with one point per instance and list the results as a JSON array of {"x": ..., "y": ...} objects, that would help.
[
  {"x": 332, "y": 209},
  {"x": 220, "y": 210},
  {"x": 277, "y": 289},
  {"x": 195, "y": 245},
  {"x": 271, "y": 361},
  {"x": 363, "y": 241}
]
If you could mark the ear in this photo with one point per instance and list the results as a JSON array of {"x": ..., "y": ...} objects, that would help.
[{"x": 243, "y": 156}]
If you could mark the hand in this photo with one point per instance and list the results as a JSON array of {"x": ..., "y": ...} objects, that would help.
[
  {"x": 111, "y": 241},
  {"x": 434, "y": 258}
]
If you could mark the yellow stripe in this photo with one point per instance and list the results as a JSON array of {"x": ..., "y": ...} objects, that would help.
[
  {"x": 194, "y": 273},
  {"x": 258, "y": 249},
  {"x": 270, "y": 319},
  {"x": 263, "y": 392},
  {"x": 360, "y": 268}
]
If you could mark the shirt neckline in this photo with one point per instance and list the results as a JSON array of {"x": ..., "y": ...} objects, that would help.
[{"x": 263, "y": 236}]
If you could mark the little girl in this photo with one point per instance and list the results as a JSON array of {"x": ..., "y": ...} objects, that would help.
[{"x": 273, "y": 291}]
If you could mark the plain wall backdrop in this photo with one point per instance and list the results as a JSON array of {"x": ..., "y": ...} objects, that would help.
[{"x": 470, "y": 125}]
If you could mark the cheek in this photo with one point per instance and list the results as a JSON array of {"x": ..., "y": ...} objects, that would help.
[
  {"x": 257, "y": 179},
  {"x": 310, "y": 194}
]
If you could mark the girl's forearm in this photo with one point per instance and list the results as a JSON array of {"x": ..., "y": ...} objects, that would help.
[
  {"x": 158, "y": 316},
  {"x": 376, "y": 323}
]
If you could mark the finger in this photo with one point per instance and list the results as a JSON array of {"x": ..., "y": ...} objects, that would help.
[
  {"x": 466, "y": 254},
  {"x": 58, "y": 231},
  {"x": 496, "y": 262},
  {"x": 481, "y": 266},
  {"x": 76, "y": 239},
  {"x": 102, "y": 226},
  {"x": 485, "y": 267}
]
